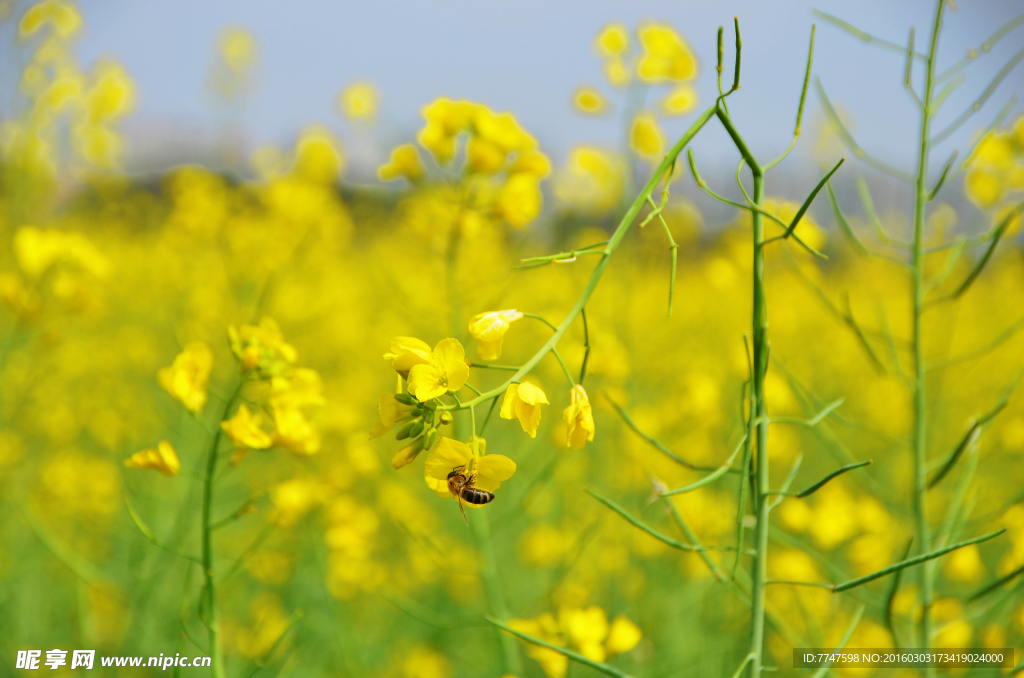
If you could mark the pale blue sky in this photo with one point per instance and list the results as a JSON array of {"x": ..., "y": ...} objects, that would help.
[{"x": 527, "y": 57}]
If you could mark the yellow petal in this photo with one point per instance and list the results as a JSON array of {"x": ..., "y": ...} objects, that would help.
[
  {"x": 489, "y": 350},
  {"x": 508, "y": 402},
  {"x": 492, "y": 469},
  {"x": 532, "y": 394},
  {"x": 424, "y": 382},
  {"x": 529, "y": 417}
]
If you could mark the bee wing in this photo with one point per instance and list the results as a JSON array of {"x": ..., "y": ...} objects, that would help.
[{"x": 463, "y": 509}]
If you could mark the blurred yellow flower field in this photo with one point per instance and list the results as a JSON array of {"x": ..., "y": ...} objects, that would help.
[{"x": 239, "y": 415}]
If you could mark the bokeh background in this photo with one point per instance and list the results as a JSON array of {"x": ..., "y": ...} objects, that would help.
[{"x": 170, "y": 171}]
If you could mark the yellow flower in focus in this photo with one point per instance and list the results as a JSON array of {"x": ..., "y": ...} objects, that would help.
[
  {"x": 523, "y": 401},
  {"x": 579, "y": 419},
  {"x": 163, "y": 459},
  {"x": 589, "y": 100},
  {"x": 646, "y": 137},
  {"x": 62, "y": 16},
  {"x": 617, "y": 72},
  {"x": 666, "y": 57},
  {"x": 490, "y": 329},
  {"x": 519, "y": 200},
  {"x": 612, "y": 41},
  {"x": 490, "y": 469},
  {"x": 187, "y": 377},
  {"x": 237, "y": 49},
  {"x": 404, "y": 163},
  {"x": 245, "y": 430},
  {"x": 406, "y": 352},
  {"x": 446, "y": 372},
  {"x": 679, "y": 101},
  {"x": 359, "y": 101},
  {"x": 623, "y": 636}
]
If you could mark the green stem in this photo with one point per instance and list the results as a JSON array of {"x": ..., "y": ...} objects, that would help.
[
  {"x": 920, "y": 497},
  {"x": 759, "y": 321},
  {"x": 492, "y": 588},
  {"x": 212, "y": 613}
]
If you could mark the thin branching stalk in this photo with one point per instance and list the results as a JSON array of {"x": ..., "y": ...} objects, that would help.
[{"x": 920, "y": 496}]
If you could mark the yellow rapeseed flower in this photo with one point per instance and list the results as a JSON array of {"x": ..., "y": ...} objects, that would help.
[
  {"x": 554, "y": 664},
  {"x": 592, "y": 180},
  {"x": 446, "y": 372},
  {"x": 646, "y": 137},
  {"x": 587, "y": 629},
  {"x": 520, "y": 200},
  {"x": 62, "y": 16},
  {"x": 245, "y": 429},
  {"x": 406, "y": 352},
  {"x": 523, "y": 401},
  {"x": 490, "y": 469},
  {"x": 679, "y": 101},
  {"x": 187, "y": 377},
  {"x": 579, "y": 419},
  {"x": 490, "y": 329},
  {"x": 318, "y": 156},
  {"x": 623, "y": 636},
  {"x": 261, "y": 346},
  {"x": 612, "y": 41},
  {"x": 238, "y": 49},
  {"x": 389, "y": 411},
  {"x": 589, "y": 100},
  {"x": 359, "y": 101},
  {"x": 617, "y": 72},
  {"x": 404, "y": 163},
  {"x": 294, "y": 431},
  {"x": 163, "y": 459},
  {"x": 666, "y": 56}
]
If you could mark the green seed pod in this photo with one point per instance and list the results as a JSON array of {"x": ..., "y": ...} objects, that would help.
[
  {"x": 405, "y": 399},
  {"x": 406, "y": 430},
  {"x": 417, "y": 428},
  {"x": 430, "y": 438},
  {"x": 446, "y": 418}
]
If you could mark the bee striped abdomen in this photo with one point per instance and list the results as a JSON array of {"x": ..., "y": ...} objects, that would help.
[{"x": 474, "y": 496}]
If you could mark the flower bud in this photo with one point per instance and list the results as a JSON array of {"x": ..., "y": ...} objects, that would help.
[
  {"x": 406, "y": 430},
  {"x": 405, "y": 399},
  {"x": 430, "y": 438},
  {"x": 417, "y": 428},
  {"x": 405, "y": 455},
  {"x": 446, "y": 418}
]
